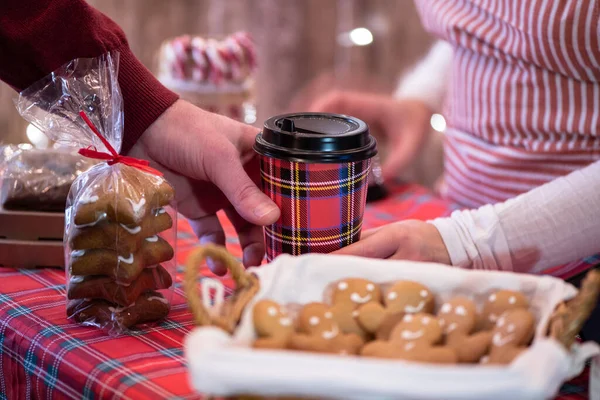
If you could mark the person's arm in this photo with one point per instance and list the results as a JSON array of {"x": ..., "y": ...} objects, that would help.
[
  {"x": 428, "y": 80},
  {"x": 38, "y": 36},
  {"x": 553, "y": 224}
]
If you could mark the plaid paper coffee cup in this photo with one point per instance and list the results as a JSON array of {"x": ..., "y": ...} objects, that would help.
[{"x": 315, "y": 167}]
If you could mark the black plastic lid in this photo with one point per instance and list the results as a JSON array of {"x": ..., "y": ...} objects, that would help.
[{"x": 316, "y": 138}]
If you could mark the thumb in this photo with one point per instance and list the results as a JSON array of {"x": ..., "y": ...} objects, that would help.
[{"x": 247, "y": 199}]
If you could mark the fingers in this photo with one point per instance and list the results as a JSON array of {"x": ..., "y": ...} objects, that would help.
[
  {"x": 379, "y": 244},
  {"x": 209, "y": 230},
  {"x": 251, "y": 239},
  {"x": 248, "y": 200}
]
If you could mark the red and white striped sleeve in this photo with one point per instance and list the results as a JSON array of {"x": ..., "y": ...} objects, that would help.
[{"x": 551, "y": 225}]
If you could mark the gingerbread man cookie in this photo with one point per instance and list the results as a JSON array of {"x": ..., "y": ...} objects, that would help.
[
  {"x": 458, "y": 318},
  {"x": 319, "y": 332},
  {"x": 273, "y": 325},
  {"x": 511, "y": 336},
  {"x": 347, "y": 297},
  {"x": 403, "y": 297},
  {"x": 497, "y": 303},
  {"x": 415, "y": 338}
]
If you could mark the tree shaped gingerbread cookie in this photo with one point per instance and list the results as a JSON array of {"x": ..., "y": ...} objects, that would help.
[
  {"x": 403, "y": 297},
  {"x": 319, "y": 332},
  {"x": 415, "y": 338},
  {"x": 458, "y": 318}
]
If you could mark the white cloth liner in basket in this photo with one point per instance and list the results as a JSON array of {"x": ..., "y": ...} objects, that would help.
[{"x": 224, "y": 365}]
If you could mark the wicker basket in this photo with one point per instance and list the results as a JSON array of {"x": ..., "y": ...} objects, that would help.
[{"x": 563, "y": 326}]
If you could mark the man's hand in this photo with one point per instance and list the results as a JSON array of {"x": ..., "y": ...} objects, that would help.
[
  {"x": 211, "y": 164},
  {"x": 404, "y": 124}
]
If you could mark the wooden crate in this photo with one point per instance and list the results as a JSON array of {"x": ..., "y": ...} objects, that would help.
[{"x": 31, "y": 239}]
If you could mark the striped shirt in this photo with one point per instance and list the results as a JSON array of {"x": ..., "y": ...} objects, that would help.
[{"x": 524, "y": 100}]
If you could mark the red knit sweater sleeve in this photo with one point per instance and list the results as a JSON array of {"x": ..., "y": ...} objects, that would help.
[{"x": 38, "y": 36}]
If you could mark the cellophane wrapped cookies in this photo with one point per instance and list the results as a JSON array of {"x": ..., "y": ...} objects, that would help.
[
  {"x": 38, "y": 179},
  {"x": 120, "y": 228}
]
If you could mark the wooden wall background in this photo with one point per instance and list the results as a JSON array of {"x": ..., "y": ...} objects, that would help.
[{"x": 296, "y": 42}]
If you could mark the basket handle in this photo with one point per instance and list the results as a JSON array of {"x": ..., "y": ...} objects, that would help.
[
  {"x": 569, "y": 317},
  {"x": 245, "y": 283}
]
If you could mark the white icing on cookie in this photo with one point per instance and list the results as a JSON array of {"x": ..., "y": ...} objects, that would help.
[
  {"x": 424, "y": 293},
  {"x": 446, "y": 308},
  {"x": 128, "y": 260},
  {"x": 392, "y": 296},
  {"x": 314, "y": 321},
  {"x": 492, "y": 297},
  {"x": 77, "y": 253},
  {"x": 285, "y": 321},
  {"x": 498, "y": 340},
  {"x": 451, "y": 327},
  {"x": 342, "y": 285},
  {"x": 133, "y": 231},
  {"x": 137, "y": 207},
  {"x": 407, "y": 318},
  {"x": 409, "y": 346},
  {"x": 152, "y": 239},
  {"x": 370, "y": 287},
  {"x": 272, "y": 311},
  {"x": 357, "y": 298},
  {"x": 410, "y": 335},
  {"x": 100, "y": 218},
  {"x": 88, "y": 199},
  {"x": 460, "y": 310},
  {"x": 331, "y": 333},
  {"x": 414, "y": 309},
  {"x": 328, "y": 315},
  {"x": 512, "y": 300}
]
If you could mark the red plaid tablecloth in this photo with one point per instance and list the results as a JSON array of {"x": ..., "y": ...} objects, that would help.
[{"x": 45, "y": 356}]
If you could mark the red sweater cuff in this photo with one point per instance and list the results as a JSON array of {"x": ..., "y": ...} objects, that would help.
[{"x": 144, "y": 97}]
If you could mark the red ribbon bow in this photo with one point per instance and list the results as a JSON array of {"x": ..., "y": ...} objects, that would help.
[{"x": 113, "y": 157}]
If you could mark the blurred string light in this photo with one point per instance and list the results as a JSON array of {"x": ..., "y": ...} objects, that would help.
[
  {"x": 438, "y": 122},
  {"x": 36, "y": 137},
  {"x": 356, "y": 37}
]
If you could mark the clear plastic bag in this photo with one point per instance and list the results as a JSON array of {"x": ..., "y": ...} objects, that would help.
[
  {"x": 120, "y": 227},
  {"x": 38, "y": 180}
]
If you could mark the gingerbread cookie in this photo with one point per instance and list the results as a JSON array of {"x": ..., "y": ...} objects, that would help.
[
  {"x": 458, "y": 318},
  {"x": 319, "y": 332},
  {"x": 415, "y": 338},
  {"x": 497, "y": 303},
  {"x": 149, "y": 307},
  {"x": 123, "y": 238},
  {"x": 124, "y": 269},
  {"x": 273, "y": 325},
  {"x": 403, "y": 297},
  {"x": 347, "y": 296},
  {"x": 101, "y": 287},
  {"x": 126, "y": 197},
  {"x": 512, "y": 334}
]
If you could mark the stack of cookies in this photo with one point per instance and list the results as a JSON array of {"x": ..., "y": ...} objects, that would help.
[{"x": 116, "y": 251}]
